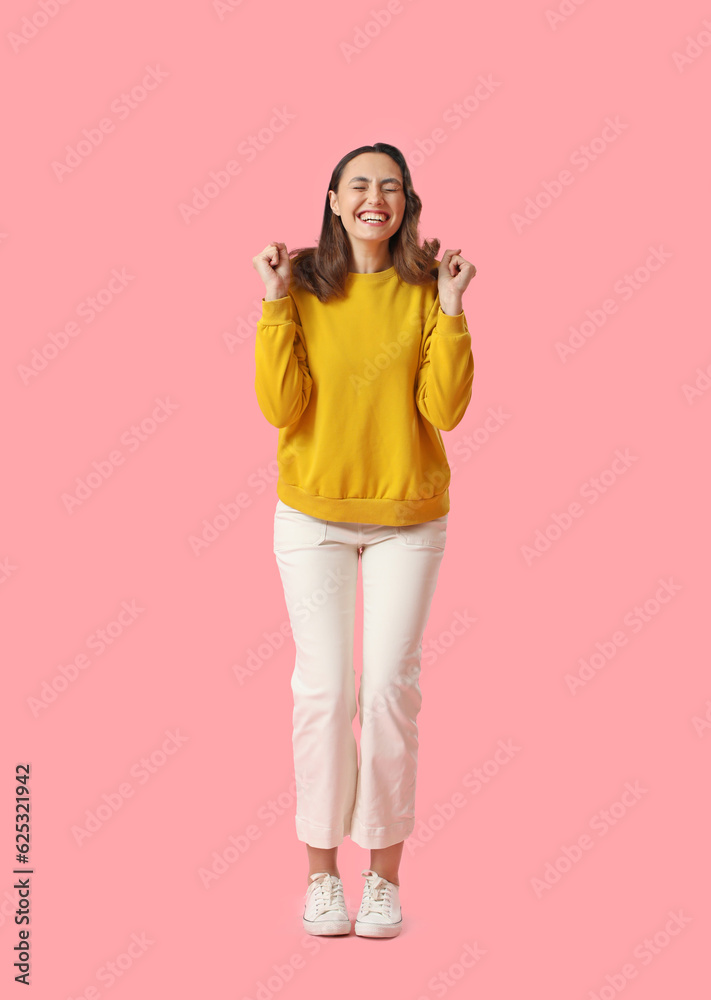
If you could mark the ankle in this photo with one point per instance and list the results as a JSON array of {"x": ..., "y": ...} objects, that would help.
[{"x": 392, "y": 877}]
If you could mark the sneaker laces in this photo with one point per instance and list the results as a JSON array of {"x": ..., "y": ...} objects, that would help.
[
  {"x": 376, "y": 893},
  {"x": 329, "y": 894}
]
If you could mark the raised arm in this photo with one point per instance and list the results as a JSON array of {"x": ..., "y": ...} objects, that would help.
[
  {"x": 444, "y": 379},
  {"x": 282, "y": 379}
]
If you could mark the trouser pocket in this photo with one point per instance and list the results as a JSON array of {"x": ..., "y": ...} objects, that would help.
[
  {"x": 432, "y": 534},
  {"x": 293, "y": 529}
]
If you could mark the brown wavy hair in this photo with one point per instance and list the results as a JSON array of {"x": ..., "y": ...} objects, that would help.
[{"x": 322, "y": 270}]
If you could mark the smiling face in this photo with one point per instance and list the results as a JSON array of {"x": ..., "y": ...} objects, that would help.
[{"x": 370, "y": 188}]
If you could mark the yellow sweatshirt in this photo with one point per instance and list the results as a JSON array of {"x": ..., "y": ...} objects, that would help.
[{"x": 360, "y": 389}]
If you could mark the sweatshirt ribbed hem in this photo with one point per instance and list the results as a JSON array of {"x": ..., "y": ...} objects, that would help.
[{"x": 366, "y": 511}]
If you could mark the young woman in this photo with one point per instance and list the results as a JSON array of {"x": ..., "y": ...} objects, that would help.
[{"x": 363, "y": 356}]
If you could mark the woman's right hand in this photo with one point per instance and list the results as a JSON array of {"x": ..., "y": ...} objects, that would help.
[{"x": 274, "y": 268}]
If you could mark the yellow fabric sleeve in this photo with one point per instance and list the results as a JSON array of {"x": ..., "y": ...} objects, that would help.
[
  {"x": 282, "y": 380},
  {"x": 446, "y": 372}
]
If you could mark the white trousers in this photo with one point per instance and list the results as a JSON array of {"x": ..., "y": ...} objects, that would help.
[{"x": 318, "y": 562}]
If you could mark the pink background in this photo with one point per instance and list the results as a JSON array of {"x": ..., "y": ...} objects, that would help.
[{"x": 182, "y": 329}]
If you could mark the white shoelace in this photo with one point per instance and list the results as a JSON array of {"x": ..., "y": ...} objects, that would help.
[
  {"x": 376, "y": 895},
  {"x": 329, "y": 894}
]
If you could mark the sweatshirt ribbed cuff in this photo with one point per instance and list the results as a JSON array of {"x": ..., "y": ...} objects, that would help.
[
  {"x": 276, "y": 310},
  {"x": 447, "y": 324}
]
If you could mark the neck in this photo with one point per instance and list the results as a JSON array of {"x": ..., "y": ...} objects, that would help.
[{"x": 370, "y": 258}]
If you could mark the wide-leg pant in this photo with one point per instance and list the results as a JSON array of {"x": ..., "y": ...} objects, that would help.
[{"x": 373, "y": 803}]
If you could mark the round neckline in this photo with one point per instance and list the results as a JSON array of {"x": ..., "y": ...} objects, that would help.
[{"x": 372, "y": 275}]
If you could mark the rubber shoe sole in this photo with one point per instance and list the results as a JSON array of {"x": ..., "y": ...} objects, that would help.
[
  {"x": 331, "y": 927},
  {"x": 365, "y": 929}
]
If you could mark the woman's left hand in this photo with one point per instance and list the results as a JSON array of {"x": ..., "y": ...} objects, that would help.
[{"x": 455, "y": 273}]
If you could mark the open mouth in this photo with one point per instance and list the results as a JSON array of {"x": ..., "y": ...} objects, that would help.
[{"x": 373, "y": 218}]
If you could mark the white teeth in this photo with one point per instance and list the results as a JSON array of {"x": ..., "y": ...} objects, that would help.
[{"x": 374, "y": 216}]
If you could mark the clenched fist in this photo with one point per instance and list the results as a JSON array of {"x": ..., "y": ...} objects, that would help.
[{"x": 274, "y": 268}]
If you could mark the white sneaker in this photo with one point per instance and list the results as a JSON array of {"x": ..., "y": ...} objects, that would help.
[
  {"x": 379, "y": 914},
  {"x": 325, "y": 909}
]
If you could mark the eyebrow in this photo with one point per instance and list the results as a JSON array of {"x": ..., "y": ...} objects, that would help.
[{"x": 386, "y": 180}]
